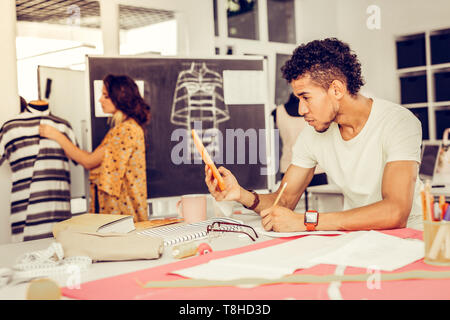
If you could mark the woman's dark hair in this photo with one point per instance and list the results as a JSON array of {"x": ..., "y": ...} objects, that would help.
[
  {"x": 325, "y": 61},
  {"x": 124, "y": 93}
]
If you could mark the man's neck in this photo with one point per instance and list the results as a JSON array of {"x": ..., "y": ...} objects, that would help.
[{"x": 353, "y": 115}]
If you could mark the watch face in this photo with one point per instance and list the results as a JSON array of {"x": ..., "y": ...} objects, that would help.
[{"x": 311, "y": 217}]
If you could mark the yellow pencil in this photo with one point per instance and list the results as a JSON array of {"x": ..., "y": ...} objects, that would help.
[
  {"x": 428, "y": 203},
  {"x": 442, "y": 206},
  {"x": 279, "y": 195},
  {"x": 424, "y": 204}
]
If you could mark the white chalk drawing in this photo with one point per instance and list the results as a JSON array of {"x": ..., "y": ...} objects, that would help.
[{"x": 198, "y": 98}]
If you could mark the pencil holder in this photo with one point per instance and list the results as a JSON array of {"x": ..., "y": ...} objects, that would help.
[{"x": 436, "y": 236}]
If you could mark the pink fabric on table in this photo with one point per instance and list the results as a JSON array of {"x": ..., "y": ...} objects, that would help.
[{"x": 126, "y": 287}]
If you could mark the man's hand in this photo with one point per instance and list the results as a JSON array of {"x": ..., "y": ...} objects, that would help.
[
  {"x": 232, "y": 190},
  {"x": 281, "y": 219}
]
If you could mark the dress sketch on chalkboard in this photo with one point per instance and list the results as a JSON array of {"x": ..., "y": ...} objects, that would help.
[{"x": 198, "y": 97}]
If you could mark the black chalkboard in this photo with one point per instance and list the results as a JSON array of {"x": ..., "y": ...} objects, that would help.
[{"x": 161, "y": 75}]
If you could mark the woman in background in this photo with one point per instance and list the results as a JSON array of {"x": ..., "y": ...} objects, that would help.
[{"x": 118, "y": 182}]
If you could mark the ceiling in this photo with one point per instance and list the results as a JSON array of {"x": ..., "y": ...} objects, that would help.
[{"x": 86, "y": 13}]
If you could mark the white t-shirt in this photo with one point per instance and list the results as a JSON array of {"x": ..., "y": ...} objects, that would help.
[{"x": 391, "y": 133}]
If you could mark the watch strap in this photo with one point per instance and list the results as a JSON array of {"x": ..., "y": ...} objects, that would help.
[{"x": 255, "y": 202}]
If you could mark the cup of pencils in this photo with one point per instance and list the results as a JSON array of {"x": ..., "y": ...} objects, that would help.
[{"x": 436, "y": 229}]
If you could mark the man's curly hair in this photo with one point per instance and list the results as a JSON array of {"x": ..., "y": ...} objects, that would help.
[{"x": 325, "y": 61}]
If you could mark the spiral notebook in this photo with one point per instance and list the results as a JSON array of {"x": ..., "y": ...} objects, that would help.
[{"x": 177, "y": 233}]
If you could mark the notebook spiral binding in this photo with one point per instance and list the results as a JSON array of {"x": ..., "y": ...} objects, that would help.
[{"x": 178, "y": 233}]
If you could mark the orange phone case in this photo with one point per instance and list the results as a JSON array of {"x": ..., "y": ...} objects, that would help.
[{"x": 207, "y": 159}]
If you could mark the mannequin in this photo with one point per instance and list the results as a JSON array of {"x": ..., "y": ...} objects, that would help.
[
  {"x": 39, "y": 105},
  {"x": 40, "y": 192}
]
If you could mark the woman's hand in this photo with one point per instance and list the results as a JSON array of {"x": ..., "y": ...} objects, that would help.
[
  {"x": 89, "y": 160},
  {"x": 49, "y": 132},
  {"x": 232, "y": 190}
]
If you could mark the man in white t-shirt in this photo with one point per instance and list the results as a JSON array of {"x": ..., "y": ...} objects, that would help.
[{"x": 369, "y": 147}]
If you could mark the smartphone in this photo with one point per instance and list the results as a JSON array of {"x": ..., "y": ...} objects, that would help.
[{"x": 207, "y": 159}]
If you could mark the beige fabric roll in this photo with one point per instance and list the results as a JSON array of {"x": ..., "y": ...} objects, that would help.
[{"x": 110, "y": 246}]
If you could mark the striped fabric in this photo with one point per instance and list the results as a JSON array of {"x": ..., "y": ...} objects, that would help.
[{"x": 40, "y": 194}]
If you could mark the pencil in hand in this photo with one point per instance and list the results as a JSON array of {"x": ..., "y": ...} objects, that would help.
[{"x": 279, "y": 194}]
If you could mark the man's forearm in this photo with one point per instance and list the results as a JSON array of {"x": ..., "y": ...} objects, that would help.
[{"x": 377, "y": 216}]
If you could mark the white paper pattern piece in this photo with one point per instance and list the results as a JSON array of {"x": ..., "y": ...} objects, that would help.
[
  {"x": 364, "y": 249},
  {"x": 274, "y": 234},
  {"x": 375, "y": 250},
  {"x": 98, "y": 86},
  {"x": 244, "y": 87},
  {"x": 268, "y": 263}
]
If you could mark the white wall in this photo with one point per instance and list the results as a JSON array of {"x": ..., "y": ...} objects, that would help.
[
  {"x": 376, "y": 48},
  {"x": 9, "y": 105},
  {"x": 61, "y": 32},
  {"x": 156, "y": 38},
  {"x": 318, "y": 19}
]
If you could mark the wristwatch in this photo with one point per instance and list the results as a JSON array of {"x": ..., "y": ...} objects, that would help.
[
  {"x": 255, "y": 202},
  {"x": 311, "y": 220}
]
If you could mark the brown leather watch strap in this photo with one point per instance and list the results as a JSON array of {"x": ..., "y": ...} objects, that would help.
[{"x": 255, "y": 202}]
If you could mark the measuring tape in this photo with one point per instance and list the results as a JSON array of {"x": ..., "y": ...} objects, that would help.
[{"x": 44, "y": 263}]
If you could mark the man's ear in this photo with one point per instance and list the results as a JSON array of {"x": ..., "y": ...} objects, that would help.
[{"x": 337, "y": 89}]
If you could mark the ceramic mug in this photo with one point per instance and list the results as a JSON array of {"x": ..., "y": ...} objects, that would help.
[{"x": 192, "y": 208}]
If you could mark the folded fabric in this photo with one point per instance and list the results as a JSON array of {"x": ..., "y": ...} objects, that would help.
[{"x": 110, "y": 246}]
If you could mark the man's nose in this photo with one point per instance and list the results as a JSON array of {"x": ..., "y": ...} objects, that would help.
[{"x": 302, "y": 108}]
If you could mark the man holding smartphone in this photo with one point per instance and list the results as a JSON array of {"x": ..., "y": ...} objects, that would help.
[{"x": 368, "y": 146}]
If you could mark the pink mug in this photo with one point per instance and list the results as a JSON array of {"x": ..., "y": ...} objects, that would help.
[{"x": 192, "y": 208}]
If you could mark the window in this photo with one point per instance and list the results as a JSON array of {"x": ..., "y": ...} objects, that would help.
[
  {"x": 243, "y": 19},
  {"x": 216, "y": 19},
  {"x": 423, "y": 66},
  {"x": 281, "y": 20},
  {"x": 282, "y": 87},
  {"x": 411, "y": 51},
  {"x": 440, "y": 46}
]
